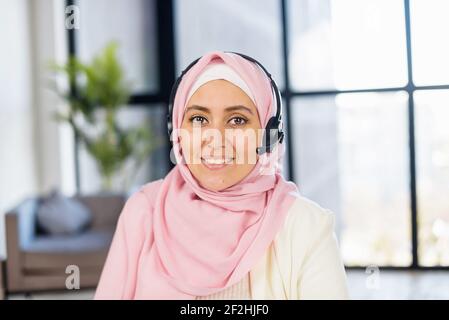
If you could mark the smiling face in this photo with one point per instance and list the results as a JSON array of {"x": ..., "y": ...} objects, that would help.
[{"x": 223, "y": 132}]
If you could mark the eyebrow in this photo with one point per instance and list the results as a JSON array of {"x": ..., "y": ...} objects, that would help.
[{"x": 228, "y": 109}]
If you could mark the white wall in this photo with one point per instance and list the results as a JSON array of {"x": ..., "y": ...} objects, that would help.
[
  {"x": 48, "y": 35},
  {"x": 17, "y": 169},
  {"x": 29, "y": 139}
]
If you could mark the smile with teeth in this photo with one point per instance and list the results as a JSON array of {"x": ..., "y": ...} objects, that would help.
[{"x": 219, "y": 161}]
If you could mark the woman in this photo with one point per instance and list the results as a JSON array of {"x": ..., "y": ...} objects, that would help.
[{"x": 223, "y": 224}]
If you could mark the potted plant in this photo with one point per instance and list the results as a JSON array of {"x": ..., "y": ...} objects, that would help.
[{"x": 97, "y": 91}]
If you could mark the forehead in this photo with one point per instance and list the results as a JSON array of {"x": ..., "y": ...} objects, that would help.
[{"x": 216, "y": 95}]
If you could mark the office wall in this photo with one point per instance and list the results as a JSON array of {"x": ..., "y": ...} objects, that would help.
[{"x": 29, "y": 138}]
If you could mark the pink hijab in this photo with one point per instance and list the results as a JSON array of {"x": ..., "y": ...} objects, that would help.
[{"x": 206, "y": 241}]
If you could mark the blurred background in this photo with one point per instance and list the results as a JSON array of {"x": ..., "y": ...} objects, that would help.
[{"x": 365, "y": 86}]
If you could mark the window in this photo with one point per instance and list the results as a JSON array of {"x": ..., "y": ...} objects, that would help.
[
  {"x": 367, "y": 140},
  {"x": 429, "y": 45},
  {"x": 346, "y": 44},
  {"x": 251, "y": 27},
  {"x": 341, "y": 140},
  {"x": 136, "y": 36},
  {"x": 432, "y": 139}
]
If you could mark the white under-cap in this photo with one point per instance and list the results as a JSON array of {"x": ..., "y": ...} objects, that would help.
[{"x": 217, "y": 71}]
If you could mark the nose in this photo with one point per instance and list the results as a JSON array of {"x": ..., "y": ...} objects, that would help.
[{"x": 215, "y": 142}]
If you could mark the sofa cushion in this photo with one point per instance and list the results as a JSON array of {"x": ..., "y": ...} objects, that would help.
[
  {"x": 57, "y": 214},
  {"x": 45, "y": 263},
  {"x": 88, "y": 249},
  {"x": 92, "y": 240}
]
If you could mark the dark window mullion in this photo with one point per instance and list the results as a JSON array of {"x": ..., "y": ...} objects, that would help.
[
  {"x": 144, "y": 98},
  {"x": 287, "y": 92},
  {"x": 71, "y": 43},
  {"x": 166, "y": 56},
  {"x": 335, "y": 92},
  {"x": 409, "y": 88},
  {"x": 411, "y": 127}
]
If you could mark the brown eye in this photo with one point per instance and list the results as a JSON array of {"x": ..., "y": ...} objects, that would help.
[
  {"x": 197, "y": 119},
  {"x": 239, "y": 121}
]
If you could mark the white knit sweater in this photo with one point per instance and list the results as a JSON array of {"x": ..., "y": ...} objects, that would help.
[
  {"x": 238, "y": 291},
  {"x": 303, "y": 261}
]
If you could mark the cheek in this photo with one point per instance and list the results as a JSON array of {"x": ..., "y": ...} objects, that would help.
[
  {"x": 246, "y": 149},
  {"x": 191, "y": 148}
]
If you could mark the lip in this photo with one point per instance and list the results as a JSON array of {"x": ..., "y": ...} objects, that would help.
[{"x": 214, "y": 167}]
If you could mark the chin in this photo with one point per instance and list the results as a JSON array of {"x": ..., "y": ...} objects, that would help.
[{"x": 217, "y": 184}]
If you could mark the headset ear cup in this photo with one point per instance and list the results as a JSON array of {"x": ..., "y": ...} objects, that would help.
[
  {"x": 169, "y": 126},
  {"x": 281, "y": 138},
  {"x": 273, "y": 134}
]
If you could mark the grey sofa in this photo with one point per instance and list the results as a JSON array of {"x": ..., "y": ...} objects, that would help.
[{"x": 38, "y": 261}]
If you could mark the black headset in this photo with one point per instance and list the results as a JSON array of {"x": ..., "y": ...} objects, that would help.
[{"x": 274, "y": 125}]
